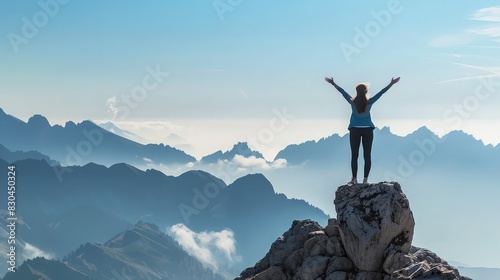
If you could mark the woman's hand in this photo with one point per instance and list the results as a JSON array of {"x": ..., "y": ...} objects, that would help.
[
  {"x": 329, "y": 80},
  {"x": 395, "y": 80}
]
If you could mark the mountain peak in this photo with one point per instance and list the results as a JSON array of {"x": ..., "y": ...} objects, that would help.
[
  {"x": 423, "y": 130},
  {"x": 241, "y": 145},
  {"x": 240, "y": 148},
  {"x": 147, "y": 226},
  {"x": 144, "y": 252},
  {"x": 70, "y": 124},
  {"x": 174, "y": 137},
  {"x": 39, "y": 121},
  {"x": 2, "y": 113},
  {"x": 255, "y": 184}
]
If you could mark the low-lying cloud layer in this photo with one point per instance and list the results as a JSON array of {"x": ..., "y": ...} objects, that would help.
[
  {"x": 31, "y": 252},
  {"x": 215, "y": 250},
  {"x": 253, "y": 162}
]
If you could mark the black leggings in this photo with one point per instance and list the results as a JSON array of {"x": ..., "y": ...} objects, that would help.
[{"x": 357, "y": 134}]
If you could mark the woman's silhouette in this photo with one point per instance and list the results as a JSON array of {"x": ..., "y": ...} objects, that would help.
[{"x": 361, "y": 125}]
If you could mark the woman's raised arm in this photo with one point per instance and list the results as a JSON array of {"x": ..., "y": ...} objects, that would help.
[
  {"x": 379, "y": 94},
  {"x": 341, "y": 90}
]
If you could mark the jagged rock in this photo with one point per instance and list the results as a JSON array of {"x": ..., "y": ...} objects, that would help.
[
  {"x": 316, "y": 245},
  {"x": 274, "y": 272},
  {"x": 292, "y": 240},
  {"x": 377, "y": 217},
  {"x": 248, "y": 273},
  {"x": 396, "y": 260},
  {"x": 369, "y": 275},
  {"x": 334, "y": 247},
  {"x": 426, "y": 265},
  {"x": 284, "y": 246},
  {"x": 371, "y": 218},
  {"x": 426, "y": 270},
  {"x": 294, "y": 261},
  {"x": 332, "y": 229},
  {"x": 339, "y": 264},
  {"x": 312, "y": 268},
  {"x": 338, "y": 275}
]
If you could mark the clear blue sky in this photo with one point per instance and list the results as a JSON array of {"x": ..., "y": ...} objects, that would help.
[{"x": 257, "y": 56}]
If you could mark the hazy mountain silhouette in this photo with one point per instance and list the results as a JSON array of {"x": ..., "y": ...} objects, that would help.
[
  {"x": 41, "y": 268},
  {"x": 10, "y": 156},
  {"x": 103, "y": 199},
  {"x": 241, "y": 148},
  {"x": 455, "y": 147},
  {"x": 178, "y": 141},
  {"x": 457, "y": 159},
  {"x": 111, "y": 127},
  {"x": 78, "y": 144},
  {"x": 143, "y": 252}
]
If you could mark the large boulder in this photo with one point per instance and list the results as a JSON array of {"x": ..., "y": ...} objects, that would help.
[{"x": 373, "y": 220}]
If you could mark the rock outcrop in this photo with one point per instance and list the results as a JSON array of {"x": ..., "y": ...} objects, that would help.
[
  {"x": 369, "y": 240},
  {"x": 374, "y": 222}
]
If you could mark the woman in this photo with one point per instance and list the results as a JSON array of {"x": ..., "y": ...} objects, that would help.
[{"x": 361, "y": 125}]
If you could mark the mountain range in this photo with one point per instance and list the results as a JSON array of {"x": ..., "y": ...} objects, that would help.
[
  {"x": 241, "y": 148},
  {"x": 82, "y": 143},
  {"x": 143, "y": 252},
  {"x": 79, "y": 144},
  {"x": 63, "y": 203},
  {"x": 111, "y": 127},
  {"x": 10, "y": 156}
]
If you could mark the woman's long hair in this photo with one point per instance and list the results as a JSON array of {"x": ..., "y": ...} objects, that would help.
[{"x": 361, "y": 100}]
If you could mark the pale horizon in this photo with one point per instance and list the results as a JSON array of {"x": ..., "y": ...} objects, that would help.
[{"x": 205, "y": 135}]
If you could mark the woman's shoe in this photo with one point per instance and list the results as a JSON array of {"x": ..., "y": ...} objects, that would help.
[{"x": 353, "y": 182}]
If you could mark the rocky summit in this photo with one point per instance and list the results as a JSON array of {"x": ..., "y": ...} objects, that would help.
[{"x": 369, "y": 240}]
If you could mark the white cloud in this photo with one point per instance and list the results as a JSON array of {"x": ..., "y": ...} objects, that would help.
[
  {"x": 245, "y": 163},
  {"x": 491, "y": 28},
  {"x": 493, "y": 73},
  {"x": 31, "y": 252},
  {"x": 215, "y": 250},
  {"x": 493, "y": 31},
  {"x": 491, "y": 14},
  {"x": 111, "y": 103}
]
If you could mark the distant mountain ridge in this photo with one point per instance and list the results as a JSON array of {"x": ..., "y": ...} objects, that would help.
[
  {"x": 241, "y": 148},
  {"x": 11, "y": 156},
  {"x": 41, "y": 268},
  {"x": 143, "y": 252},
  {"x": 111, "y": 127},
  {"x": 78, "y": 144},
  {"x": 336, "y": 148}
]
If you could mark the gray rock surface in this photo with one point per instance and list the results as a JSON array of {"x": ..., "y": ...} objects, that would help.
[
  {"x": 371, "y": 219},
  {"x": 378, "y": 216}
]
